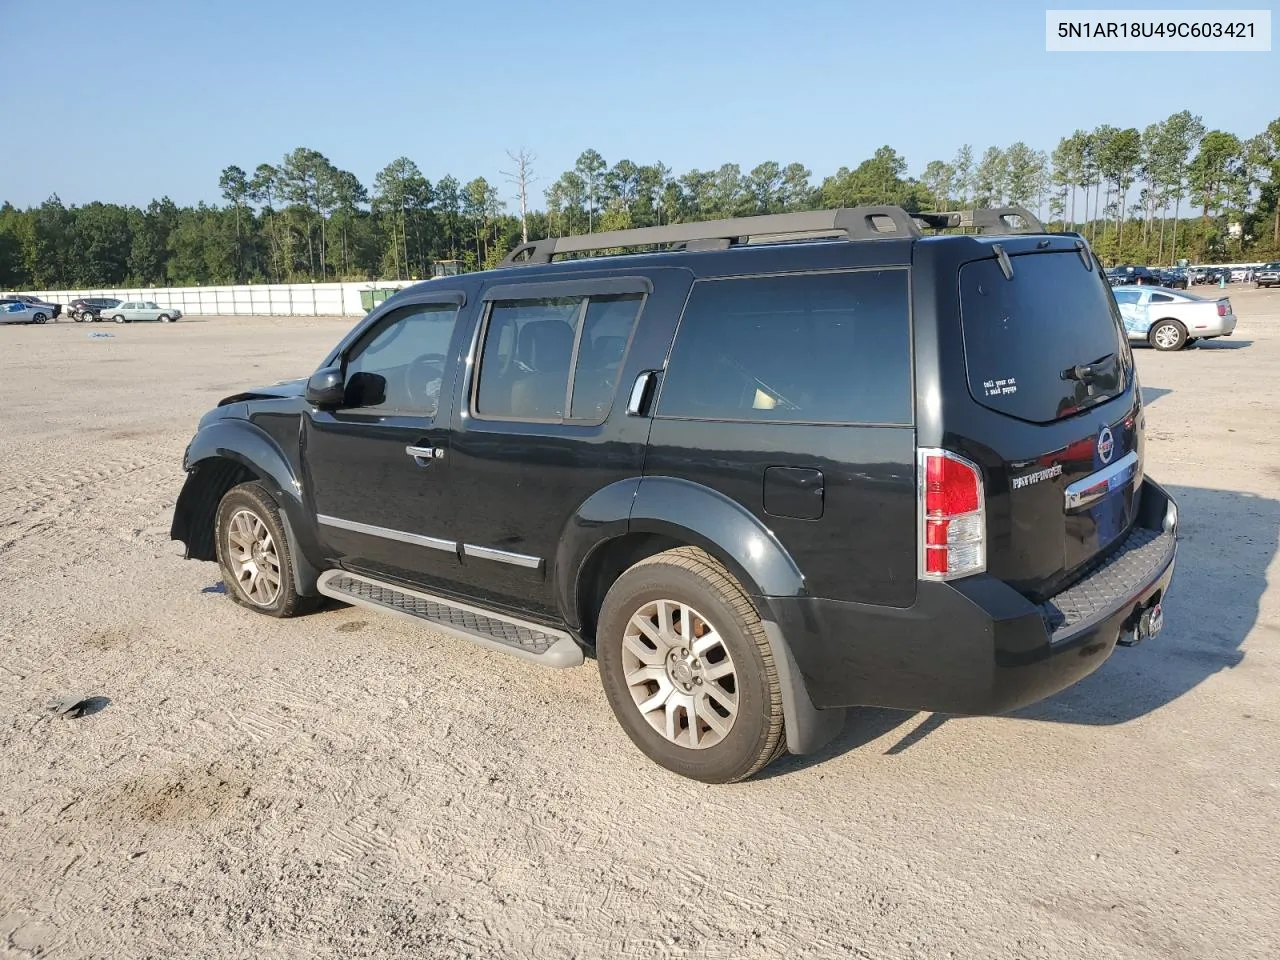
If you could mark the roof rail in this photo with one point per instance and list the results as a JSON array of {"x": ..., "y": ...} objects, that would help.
[
  {"x": 990, "y": 219},
  {"x": 852, "y": 223}
]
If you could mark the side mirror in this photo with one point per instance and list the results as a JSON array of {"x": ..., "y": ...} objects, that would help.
[{"x": 326, "y": 389}]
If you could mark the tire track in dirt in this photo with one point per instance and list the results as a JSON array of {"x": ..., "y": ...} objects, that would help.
[{"x": 38, "y": 504}]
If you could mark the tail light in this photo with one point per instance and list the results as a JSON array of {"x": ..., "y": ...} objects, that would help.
[
  {"x": 1222, "y": 308},
  {"x": 953, "y": 523}
]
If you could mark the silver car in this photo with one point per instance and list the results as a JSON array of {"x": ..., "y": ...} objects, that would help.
[
  {"x": 1170, "y": 319},
  {"x": 15, "y": 311},
  {"x": 46, "y": 309},
  {"x": 131, "y": 310}
]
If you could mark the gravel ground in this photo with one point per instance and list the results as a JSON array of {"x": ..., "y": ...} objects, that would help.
[{"x": 345, "y": 785}]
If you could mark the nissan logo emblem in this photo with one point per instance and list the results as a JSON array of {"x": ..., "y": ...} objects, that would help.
[{"x": 1106, "y": 445}]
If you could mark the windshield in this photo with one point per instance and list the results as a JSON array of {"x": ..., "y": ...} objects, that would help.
[{"x": 1046, "y": 344}]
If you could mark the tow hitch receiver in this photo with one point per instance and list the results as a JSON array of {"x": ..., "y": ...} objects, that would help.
[{"x": 1143, "y": 625}]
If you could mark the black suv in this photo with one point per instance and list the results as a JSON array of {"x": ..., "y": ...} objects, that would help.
[
  {"x": 90, "y": 310},
  {"x": 1132, "y": 276},
  {"x": 768, "y": 469}
]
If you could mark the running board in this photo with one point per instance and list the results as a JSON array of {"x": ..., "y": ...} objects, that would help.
[{"x": 496, "y": 631}]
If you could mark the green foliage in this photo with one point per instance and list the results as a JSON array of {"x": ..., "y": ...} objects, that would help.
[
  {"x": 304, "y": 218},
  {"x": 880, "y": 179}
]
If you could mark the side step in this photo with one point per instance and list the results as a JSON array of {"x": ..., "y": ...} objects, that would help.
[{"x": 496, "y": 631}]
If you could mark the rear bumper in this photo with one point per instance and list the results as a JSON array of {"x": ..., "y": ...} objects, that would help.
[
  {"x": 976, "y": 646},
  {"x": 1218, "y": 327}
]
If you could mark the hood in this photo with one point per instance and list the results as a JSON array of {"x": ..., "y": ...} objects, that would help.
[{"x": 277, "y": 391}]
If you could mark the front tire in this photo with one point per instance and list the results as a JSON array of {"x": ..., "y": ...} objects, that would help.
[
  {"x": 253, "y": 553},
  {"x": 39, "y": 318},
  {"x": 165, "y": 318},
  {"x": 118, "y": 318},
  {"x": 687, "y": 668},
  {"x": 1168, "y": 335}
]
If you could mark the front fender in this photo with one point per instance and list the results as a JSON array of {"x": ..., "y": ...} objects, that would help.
[
  {"x": 216, "y": 450},
  {"x": 242, "y": 442}
]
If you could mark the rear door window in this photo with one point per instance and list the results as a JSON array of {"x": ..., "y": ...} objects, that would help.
[
  {"x": 554, "y": 358},
  {"x": 1025, "y": 339}
]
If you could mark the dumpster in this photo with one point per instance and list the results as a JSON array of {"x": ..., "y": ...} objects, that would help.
[{"x": 371, "y": 298}]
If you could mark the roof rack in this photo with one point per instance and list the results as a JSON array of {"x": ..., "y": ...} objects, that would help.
[
  {"x": 853, "y": 223},
  {"x": 988, "y": 219}
]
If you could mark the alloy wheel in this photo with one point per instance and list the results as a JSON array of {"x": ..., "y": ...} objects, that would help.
[
  {"x": 254, "y": 558},
  {"x": 1167, "y": 336},
  {"x": 680, "y": 674}
]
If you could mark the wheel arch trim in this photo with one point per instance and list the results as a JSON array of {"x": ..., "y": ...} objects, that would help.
[{"x": 243, "y": 443}]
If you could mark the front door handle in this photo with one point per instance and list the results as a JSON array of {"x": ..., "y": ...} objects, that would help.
[{"x": 423, "y": 456}]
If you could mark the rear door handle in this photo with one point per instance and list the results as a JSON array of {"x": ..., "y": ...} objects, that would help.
[
  {"x": 423, "y": 456},
  {"x": 637, "y": 402}
]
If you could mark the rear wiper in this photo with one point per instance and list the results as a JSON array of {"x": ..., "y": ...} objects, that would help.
[{"x": 1084, "y": 372}]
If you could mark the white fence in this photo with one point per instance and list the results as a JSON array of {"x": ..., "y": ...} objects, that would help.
[{"x": 267, "y": 299}]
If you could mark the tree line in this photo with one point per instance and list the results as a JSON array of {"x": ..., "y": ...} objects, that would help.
[{"x": 1171, "y": 190}]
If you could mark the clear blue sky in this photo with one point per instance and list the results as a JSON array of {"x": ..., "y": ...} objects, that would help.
[{"x": 127, "y": 100}]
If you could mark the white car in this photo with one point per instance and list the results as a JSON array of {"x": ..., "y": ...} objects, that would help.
[
  {"x": 132, "y": 310},
  {"x": 15, "y": 311},
  {"x": 1170, "y": 319}
]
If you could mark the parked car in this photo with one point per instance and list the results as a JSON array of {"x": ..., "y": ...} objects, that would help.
[
  {"x": 90, "y": 310},
  {"x": 49, "y": 310},
  {"x": 15, "y": 311},
  {"x": 132, "y": 310},
  {"x": 1173, "y": 278},
  {"x": 1131, "y": 275},
  {"x": 1241, "y": 274},
  {"x": 1171, "y": 319},
  {"x": 1213, "y": 275},
  {"x": 759, "y": 481},
  {"x": 1267, "y": 275}
]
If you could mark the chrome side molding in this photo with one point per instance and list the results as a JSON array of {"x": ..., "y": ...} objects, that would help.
[
  {"x": 502, "y": 556},
  {"x": 386, "y": 533}
]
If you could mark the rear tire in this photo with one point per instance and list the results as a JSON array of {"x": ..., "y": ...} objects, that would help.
[
  {"x": 687, "y": 668},
  {"x": 253, "y": 553},
  {"x": 1168, "y": 335}
]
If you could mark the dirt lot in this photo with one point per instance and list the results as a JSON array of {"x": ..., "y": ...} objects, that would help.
[{"x": 343, "y": 785}]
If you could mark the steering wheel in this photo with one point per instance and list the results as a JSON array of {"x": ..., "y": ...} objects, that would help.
[{"x": 421, "y": 374}]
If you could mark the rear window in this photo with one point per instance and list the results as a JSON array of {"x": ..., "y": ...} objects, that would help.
[{"x": 1025, "y": 338}]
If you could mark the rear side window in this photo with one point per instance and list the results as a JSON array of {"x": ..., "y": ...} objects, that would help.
[
  {"x": 809, "y": 348},
  {"x": 1025, "y": 338}
]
